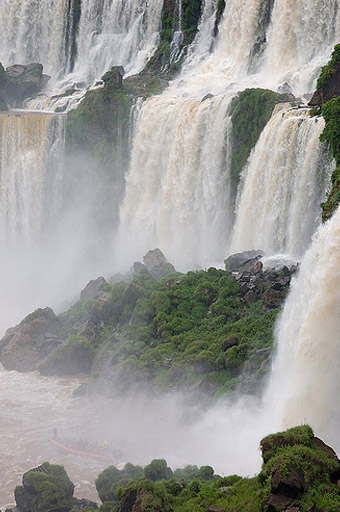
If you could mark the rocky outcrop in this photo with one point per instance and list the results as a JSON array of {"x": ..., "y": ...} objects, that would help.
[
  {"x": 29, "y": 344},
  {"x": 329, "y": 90},
  {"x": 242, "y": 259},
  {"x": 19, "y": 82},
  {"x": 157, "y": 264},
  {"x": 47, "y": 488}
]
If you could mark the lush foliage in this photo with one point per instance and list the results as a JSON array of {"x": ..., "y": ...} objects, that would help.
[
  {"x": 194, "y": 489},
  {"x": 171, "y": 332},
  {"x": 328, "y": 70},
  {"x": 331, "y": 134},
  {"x": 250, "y": 112},
  {"x": 46, "y": 490}
]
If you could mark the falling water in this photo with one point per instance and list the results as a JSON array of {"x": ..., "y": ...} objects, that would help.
[
  {"x": 305, "y": 380},
  {"x": 34, "y": 31},
  {"x": 31, "y": 167},
  {"x": 180, "y": 200},
  {"x": 284, "y": 184},
  {"x": 300, "y": 40},
  {"x": 116, "y": 33}
]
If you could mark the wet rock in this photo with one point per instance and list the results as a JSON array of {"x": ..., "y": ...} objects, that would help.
[
  {"x": 329, "y": 90},
  {"x": 45, "y": 488},
  {"x": 25, "y": 81},
  {"x": 92, "y": 290},
  {"x": 229, "y": 342},
  {"x": 26, "y": 346},
  {"x": 287, "y": 480},
  {"x": 157, "y": 264},
  {"x": 233, "y": 262},
  {"x": 272, "y": 298}
]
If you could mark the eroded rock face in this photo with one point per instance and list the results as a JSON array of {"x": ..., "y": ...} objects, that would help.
[
  {"x": 25, "y": 81},
  {"x": 26, "y": 346},
  {"x": 329, "y": 90}
]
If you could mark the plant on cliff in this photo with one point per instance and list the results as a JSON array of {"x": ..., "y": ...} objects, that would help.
[
  {"x": 331, "y": 134},
  {"x": 329, "y": 68},
  {"x": 291, "y": 458},
  {"x": 46, "y": 488},
  {"x": 250, "y": 111}
]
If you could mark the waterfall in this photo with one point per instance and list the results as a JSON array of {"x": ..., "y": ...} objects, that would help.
[
  {"x": 300, "y": 39},
  {"x": 283, "y": 185},
  {"x": 31, "y": 166},
  {"x": 177, "y": 189},
  {"x": 35, "y": 31},
  {"x": 305, "y": 384},
  {"x": 113, "y": 32},
  {"x": 177, "y": 39}
]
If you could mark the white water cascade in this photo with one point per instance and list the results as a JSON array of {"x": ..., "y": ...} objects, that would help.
[
  {"x": 300, "y": 39},
  {"x": 31, "y": 173},
  {"x": 35, "y": 31},
  {"x": 305, "y": 384},
  {"x": 116, "y": 33},
  {"x": 283, "y": 185},
  {"x": 180, "y": 201}
]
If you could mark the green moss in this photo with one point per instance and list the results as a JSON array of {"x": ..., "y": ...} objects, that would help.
[
  {"x": 331, "y": 135},
  {"x": 328, "y": 70},
  {"x": 250, "y": 111},
  {"x": 48, "y": 490}
]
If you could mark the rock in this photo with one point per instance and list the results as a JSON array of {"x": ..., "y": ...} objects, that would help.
[
  {"x": 25, "y": 81},
  {"x": 140, "y": 500},
  {"x": 45, "y": 488},
  {"x": 272, "y": 298},
  {"x": 233, "y": 262},
  {"x": 114, "y": 77},
  {"x": 26, "y": 346},
  {"x": 287, "y": 480},
  {"x": 229, "y": 342},
  {"x": 216, "y": 508},
  {"x": 92, "y": 290},
  {"x": 329, "y": 90},
  {"x": 157, "y": 264},
  {"x": 137, "y": 267}
]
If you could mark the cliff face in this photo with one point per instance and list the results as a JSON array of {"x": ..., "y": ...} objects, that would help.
[{"x": 329, "y": 90}]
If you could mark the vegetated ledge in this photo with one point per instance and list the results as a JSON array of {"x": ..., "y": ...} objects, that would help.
[
  {"x": 250, "y": 111},
  {"x": 299, "y": 473},
  {"x": 327, "y": 98},
  {"x": 204, "y": 331}
]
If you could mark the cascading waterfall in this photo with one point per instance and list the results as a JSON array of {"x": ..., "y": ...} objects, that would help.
[
  {"x": 300, "y": 39},
  {"x": 116, "y": 33},
  {"x": 34, "y": 31},
  {"x": 31, "y": 167},
  {"x": 304, "y": 387},
  {"x": 177, "y": 39},
  {"x": 180, "y": 200},
  {"x": 284, "y": 183}
]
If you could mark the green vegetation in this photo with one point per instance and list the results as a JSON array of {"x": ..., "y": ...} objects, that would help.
[
  {"x": 294, "y": 452},
  {"x": 160, "y": 61},
  {"x": 46, "y": 490},
  {"x": 297, "y": 467},
  {"x": 250, "y": 111},
  {"x": 331, "y": 134},
  {"x": 173, "y": 332},
  {"x": 328, "y": 70}
]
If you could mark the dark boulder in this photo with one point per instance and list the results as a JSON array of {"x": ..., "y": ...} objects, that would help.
[
  {"x": 25, "y": 81},
  {"x": 234, "y": 262},
  {"x": 329, "y": 90}
]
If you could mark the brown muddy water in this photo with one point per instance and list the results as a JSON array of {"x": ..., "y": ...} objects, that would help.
[{"x": 225, "y": 436}]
